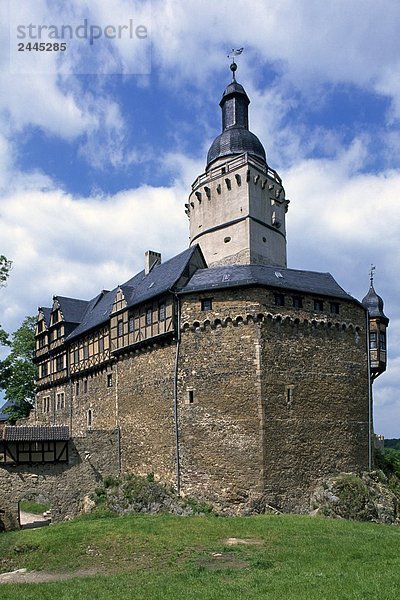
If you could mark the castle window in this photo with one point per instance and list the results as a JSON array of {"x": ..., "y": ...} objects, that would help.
[
  {"x": 149, "y": 316},
  {"x": 318, "y": 305},
  {"x": 190, "y": 397},
  {"x": 60, "y": 401},
  {"x": 120, "y": 328},
  {"x": 289, "y": 396},
  {"x": 46, "y": 404},
  {"x": 59, "y": 362},
  {"x": 206, "y": 304},
  {"x": 297, "y": 302},
  {"x": 85, "y": 350},
  {"x": 161, "y": 312},
  {"x": 89, "y": 418},
  {"x": 44, "y": 369},
  {"x": 40, "y": 326},
  {"x": 85, "y": 386},
  {"x": 77, "y": 388},
  {"x": 131, "y": 324},
  {"x": 279, "y": 300},
  {"x": 101, "y": 345},
  {"x": 335, "y": 308},
  {"x": 382, "y": 341},
  {"x": 109, "y": 380},
  {"x": 373, "y": 340},
  {"x": 76, "y": 355}
]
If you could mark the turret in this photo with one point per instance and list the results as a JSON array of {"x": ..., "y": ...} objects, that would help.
[{"x": 378, "y": 323}]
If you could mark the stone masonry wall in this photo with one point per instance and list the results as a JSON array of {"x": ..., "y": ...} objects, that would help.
[
  {"x": 145, "y": 412},
  {"x": 91, "y": 458},
  {"x": 279, "y": 396}
]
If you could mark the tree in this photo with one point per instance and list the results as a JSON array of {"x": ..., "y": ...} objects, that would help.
[
  {"x": 5, "y": 268},
  {"x": 18, "y": 372}
]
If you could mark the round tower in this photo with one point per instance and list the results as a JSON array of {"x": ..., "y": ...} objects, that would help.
[{"x": 237, "y": 207}]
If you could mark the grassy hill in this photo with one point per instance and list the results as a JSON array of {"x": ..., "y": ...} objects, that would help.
[{"x": 204, "y": 557}]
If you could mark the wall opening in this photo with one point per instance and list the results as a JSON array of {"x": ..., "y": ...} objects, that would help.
[{"x": 34, "y": 510}]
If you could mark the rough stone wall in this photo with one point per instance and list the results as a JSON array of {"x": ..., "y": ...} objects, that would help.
[
  {"x": 145, "y": 412},
  {"x": 280, "y": 396},
  {"x": 221, "y": 453},
  {"x": 64, "y": 485},
  {"x": 316, "y": 406}
]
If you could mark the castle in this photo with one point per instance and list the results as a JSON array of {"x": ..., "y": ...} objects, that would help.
[{"x": 221, "y": 371}]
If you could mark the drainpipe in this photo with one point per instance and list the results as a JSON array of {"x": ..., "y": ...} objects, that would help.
[
  {"x": 70, "y": 392},
  {"x": 369, "y": 397},
  {"x": 117, "y": 421},
  {"x": 178, "y": 341}
]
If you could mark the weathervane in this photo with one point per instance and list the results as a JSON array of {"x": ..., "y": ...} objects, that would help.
[
  {"x": 371, "y": 274},
  {"x": 233, "y": 67}
]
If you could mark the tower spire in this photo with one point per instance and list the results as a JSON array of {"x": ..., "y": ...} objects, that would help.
[{"x": 233, "y": 65}]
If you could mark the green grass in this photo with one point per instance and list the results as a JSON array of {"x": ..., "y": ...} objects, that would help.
[
  {"x": 35, "y": 508},
  {"x": 168, "y": 557}
]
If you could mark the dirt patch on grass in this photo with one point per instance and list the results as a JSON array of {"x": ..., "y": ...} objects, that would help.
[
  {"x": 244, "y": 541},
  {"x": 222, "y": 560},
  {"x": 24, "y": 576}
]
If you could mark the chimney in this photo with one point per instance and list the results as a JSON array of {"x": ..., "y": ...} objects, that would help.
[{"x": 151, "y": 259}]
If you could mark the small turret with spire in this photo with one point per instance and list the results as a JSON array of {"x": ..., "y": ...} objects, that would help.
[{"x": 378, "y": 323}]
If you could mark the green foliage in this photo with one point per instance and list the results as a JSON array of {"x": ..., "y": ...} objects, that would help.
[
  {"x": 5, "y": 268},
  {"x": 353, "y": 494},
  {"x": 36, "y": 508},
  {"x": 18, "y": 372},
  {"x": 392, "y": 443},
  {"x": 135, "y": 494}
]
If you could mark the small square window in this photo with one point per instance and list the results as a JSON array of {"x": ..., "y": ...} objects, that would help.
[
  {"x": 161, "y": 312},
  {"x": 279, "y": 300},
  {"x": 318, "y": 305},
  {"x": 335, "y": 308},
  {"x": 373, "y": 340},
  {"x": 190, "y": 397},
  {"x": 382, "y": 341},
  {"x": 120, "y": 328},
  {"x": 297, "y": 302},
  {"x": 206, "y": 304}
]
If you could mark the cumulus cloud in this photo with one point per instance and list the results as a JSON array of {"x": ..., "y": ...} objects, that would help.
[{"x": 76, "y": 246}]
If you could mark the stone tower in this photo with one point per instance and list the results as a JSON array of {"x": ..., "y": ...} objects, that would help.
[{"x": 237, "y": 207}]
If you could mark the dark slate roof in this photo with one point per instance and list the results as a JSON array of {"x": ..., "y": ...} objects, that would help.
[
  {"x": 276, "y": 277},
  {"x": 235, "y": 140},
  {"x": 46, "y": 313},
  {"x": 35, "y": 433},
  {"x": 72, "y": 309},
  {"x": 140, "y": 288},
  {"x": 374, "y": 304}
]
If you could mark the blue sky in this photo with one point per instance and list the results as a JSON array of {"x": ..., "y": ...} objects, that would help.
[{"x": 99, "y": 146}]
